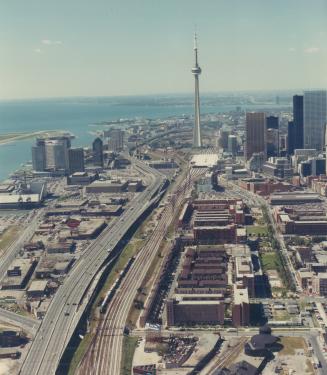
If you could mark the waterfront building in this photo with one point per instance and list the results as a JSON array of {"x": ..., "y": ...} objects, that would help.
[
  {"x": 76, "y": 160},
  {"x": 56, "y": 151},
  {"x": 315, "y": 118},
  {"x": 38, "y": 155},
  {"x": 255, "y": 134},
  {"x": 116, "y": 140},
  {"x": 196, "y": 71},
  {"x": 97, "y": 147}
]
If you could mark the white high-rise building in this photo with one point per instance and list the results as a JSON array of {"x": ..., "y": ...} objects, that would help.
[
  {"x": 56, "y": 152},
  {"x": 315, "y": 119}
]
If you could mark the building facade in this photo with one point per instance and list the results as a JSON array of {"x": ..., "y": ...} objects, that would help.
[
  {"x": 255, "y": 134},
  {"x": 97, "y": 147},
  {"x": 315, "y": 119},
  {"x": 76, "y": 160}
]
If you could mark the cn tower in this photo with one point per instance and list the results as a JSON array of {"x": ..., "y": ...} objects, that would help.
[{"x": 196, "y": 71}]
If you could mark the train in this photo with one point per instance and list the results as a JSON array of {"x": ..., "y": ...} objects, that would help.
[{"x": 111, "y": 292}]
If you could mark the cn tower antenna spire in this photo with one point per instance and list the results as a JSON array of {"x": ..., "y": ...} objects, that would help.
[
  {"x": 196, "y": 48},
  {"x": 196, "y": 71}
]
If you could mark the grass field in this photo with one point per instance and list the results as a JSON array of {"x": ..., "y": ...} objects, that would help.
[
  {"x": 257, "y": 230},
  {"x": 129, "y": 346},
  {"x": 290, "y": 344},
  {"x": 269, "y": 261},
  {"x": 7, "y": 237}
]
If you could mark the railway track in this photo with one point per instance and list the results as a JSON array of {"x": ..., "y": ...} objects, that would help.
[{"x": 104, "y": 354}]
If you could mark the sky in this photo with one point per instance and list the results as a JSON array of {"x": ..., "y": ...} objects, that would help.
[{"x": 139, "y": 47}]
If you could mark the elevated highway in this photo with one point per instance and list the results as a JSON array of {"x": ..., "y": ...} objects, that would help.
[{"x": 67, "y": 305}]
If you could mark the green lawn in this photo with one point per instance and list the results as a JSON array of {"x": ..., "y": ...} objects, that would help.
[
  {"x": 129, "y": 346},
  {"x": 269, "y": 261},
  {"x": 257, "y": 230},
  {"x": 79, "y": 353}
]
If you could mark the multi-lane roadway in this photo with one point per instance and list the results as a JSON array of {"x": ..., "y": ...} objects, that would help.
[
  {"x": 60, "y": 320},
  {"x": 28, "y": 324}
]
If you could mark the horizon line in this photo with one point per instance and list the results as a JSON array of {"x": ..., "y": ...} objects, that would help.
[{"x": 203, "y": 93}]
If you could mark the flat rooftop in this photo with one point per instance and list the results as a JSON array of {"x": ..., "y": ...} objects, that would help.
[
  {"x": 204, "y": 160},
  {"x": 19, "y": 198},
  {"x": 38, "y": 285},
  {"x": 241, "y": 295}
]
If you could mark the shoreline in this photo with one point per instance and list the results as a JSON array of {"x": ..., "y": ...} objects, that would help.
[{"x": 10, "y": 138}]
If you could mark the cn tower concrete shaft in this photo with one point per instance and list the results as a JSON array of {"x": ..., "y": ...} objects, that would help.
[{"x": 196, "y": 71}]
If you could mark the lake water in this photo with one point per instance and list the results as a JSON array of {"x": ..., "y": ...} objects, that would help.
[{"x": 76, "y": 115}]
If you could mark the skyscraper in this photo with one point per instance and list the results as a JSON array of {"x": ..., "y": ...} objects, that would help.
[
  {"x": 272, "y": 142},
  {"x": 76, "y": 160},
  {"x": 298, "y": 121},
  {"x": 56, "y": 151},
  {"x": 116, "y": 140},
  {"x": 272, "y": 122},
  {"x": 255, "y": 134},
  {"x": 196, "y": 71},
  {"x": 38, "y": 155},
  {"x": 290, "y": 138},
  {"x": 232, "y": 144},
  {"x": 97, "y": 147},
  {"x": 315, "y": 118}
]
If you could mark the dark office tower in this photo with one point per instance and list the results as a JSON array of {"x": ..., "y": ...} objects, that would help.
[
  {"x": 38, "y": 156},
  {"x": 291, "y": 138},
  {"x": 223, "y": 138},
  {"x": 76, "y": 160},
  {"x": 255, "y": 134},
  {"x": 272, "y": 142},
  {"x": 97, "y": 147},
  {"x": 272, "y": 122},
  {"x": 298, "y": 121}
]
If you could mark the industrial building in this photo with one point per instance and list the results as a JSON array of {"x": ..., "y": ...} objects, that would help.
[
  {"x": 107, "y": 186},
  {"x": 18, "y": 274},
  {"x": 290, "y": 198},
  {"x": 215, "y": 221},
  {"x": 81, "y": 178},
  {"x": 210, "y": 279},
  {"x": 302, "y": 220},
  {"x": 37, "y": 289}
]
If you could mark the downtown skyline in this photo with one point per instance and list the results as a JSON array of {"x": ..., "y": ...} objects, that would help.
[{"x": 125, "y": 48}]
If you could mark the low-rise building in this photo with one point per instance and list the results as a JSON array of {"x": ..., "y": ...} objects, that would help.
[
  {"x": 192, "y": 312},
  {"x": 107, "y": 186},
  {"x": 81, "y": 178},
  {"x": 241, "y": 306},
  {"x": 37, "y": 289},
  {"x": 18, "y": 273},
  {"x": 278, "y": 167}
]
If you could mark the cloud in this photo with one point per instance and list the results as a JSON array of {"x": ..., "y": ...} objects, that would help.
[
  {"x": 312, "y": 50},
  {"x": 38, "y": 50},
  {"x": 49, "y": 42},
  {"x": 292, "y": 49}
]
